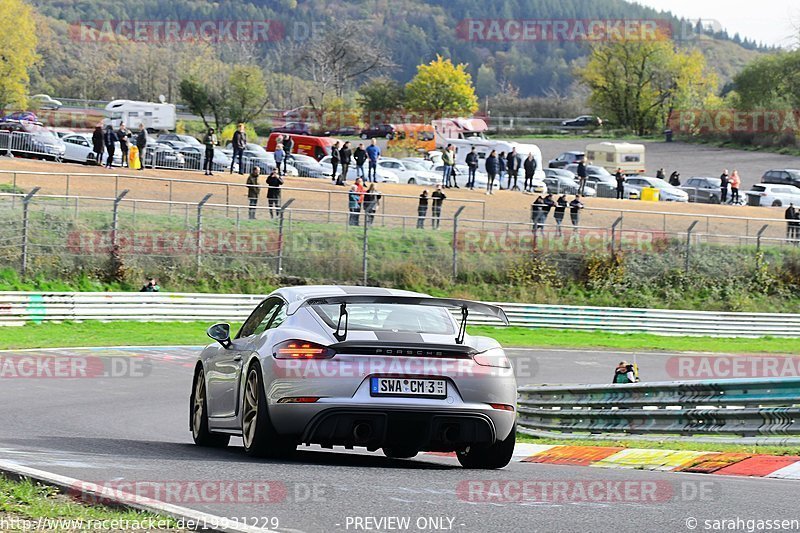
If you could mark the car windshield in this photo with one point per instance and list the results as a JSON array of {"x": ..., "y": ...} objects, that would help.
[
  {"x": 390, "y": 317},
  {"x": 794, "y": 174},
  {"x": 659, "y": 184},
  {"x": 599, "y": 171}
]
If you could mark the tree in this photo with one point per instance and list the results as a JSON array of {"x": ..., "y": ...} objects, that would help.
[
  {"x": 770, "y": 82},
  {"x": 443, "y": 88},
  {"x": 637, "y": 83},
  {"x": 17, "y": 52},
  {"x": 381, "y": 95},
  {"x": 247, "y": 93}
]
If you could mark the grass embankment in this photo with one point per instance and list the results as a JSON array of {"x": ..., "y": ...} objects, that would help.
[
  {"x": 72, "y": 334},
  {"x": 27, "y": 505}
]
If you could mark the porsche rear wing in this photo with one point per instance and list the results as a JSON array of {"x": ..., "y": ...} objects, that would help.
[{"x": 464, "y": 305}]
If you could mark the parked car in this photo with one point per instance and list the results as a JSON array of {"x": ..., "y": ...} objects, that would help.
[
  {"x": 195, "y": 157},
  {"x": 188, "y": 140},
  {"x": 597, "y": 178},
  {"x": 159, "y": 155},
  {"x": 384, "y": 175},
  {"x": 378, "y": 130},
  {"x": 427, "y": 164},
  {"x": 79, "y": 149},
  {"x": 560, "y": 181},
  {"x": 583, "y": 121},
  {"x": 298, "y": 128},
  {"x": 702, "y": 189},
  {"x": 175, "y": 145},
  {"x": 786, "y": 176},
  {"x": 343, "y": 131},
  {"x": 666, "y": 192},
  {"x": 45, "y": 101},
  {"x": 773, "y": 195},
  {"x": 566, "y": 158},
  {"x": 410, "y": 172},
  {"x": 30, "y": 139},
  {"x": 307, "y": 375},
  {"x": 308, "y": 167}
]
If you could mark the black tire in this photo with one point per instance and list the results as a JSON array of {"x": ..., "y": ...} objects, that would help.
[
  {"x": 260, "y": 439},
  {"x": 491, "y": 457},
  {"x": 364, "y": 136},
  {"x": 198, "y": 419},
  {"x": 389, "y": 136},
  {"x": 776, "y": 203},
  {"x": 400, "y": 453},
  {"x": 713, "y": 199},
  {"x": 412, "y": 181}
]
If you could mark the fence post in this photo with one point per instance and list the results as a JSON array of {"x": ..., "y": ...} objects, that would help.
[
  {"x": 365, "y": 249},
  {"x": 758, "y": 244},
  {"x": 25, "y": 201},
  {"x": 614, "y": 234},
  {"x": 689, "y": 245},
  {"x": 115, "y": 218},
  {"x": 169, "y": 206},
  {"x": 279, "y": 268},
  {"x": 455, "y": 241},
  {"x": 199, "y": 242}
]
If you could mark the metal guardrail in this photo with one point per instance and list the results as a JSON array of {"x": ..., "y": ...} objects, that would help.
[
  {"x": 21, "y": 307},
  {"x": 742, "y": 410},
  {"x": 41, "y": 145}
]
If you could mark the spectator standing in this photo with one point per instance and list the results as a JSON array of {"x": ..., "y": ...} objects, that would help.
[
  {"x": 98, "y": 144},
  {"x": 735, "y": 182},
  {"x": 253, "y": 190},
  {"x": 150, "y": 286},
  {"x": 723, "y": 186},
  {"x": 373, "y": 154},
  {"x": 530, "y": 172},
  {"x": 110, "y": 140},
  {"x": 581, "y": 176},
  {"x": 360, "y": 157},
  {"x": 274, "y": 181},
  {"x": 492, "y": 165},
  {"x": 209, "y": 141},
  {"x": 575, "y": 207},
  {"x": 449, "y": 161},
  {"x": 472, "y": 165},
  {"x": 335, "y": 162},
  {"x": 624, "y": 373},
  {"x": 558, "y": 215},
  {"x": 239, "y": 143},
  {"x": 537, "y": 215},
  {"x": 354, "y": 204},
  {"x": 675, "y": 179},
  {"x": 796, "y": 226},
  {"x": 791, "y": 215},
  {"x": 345, "y": 158},
  {"x": 437, "y": 199},
  {"x": 422, "y": 209},
  {"x": 501, "y": 171},
  {"x": 660, "y": 174},
  {"x": 288, "y": 148},
  {"x": 512, "y": 165},
  {"x": 371, "y": 199},
  {"x": 279, "y": 156},
  {"x": 123, "y": 136},
  {"x": 141, "y": 144},
  {"x": 620, "y": 184},
  {"x": 549, "y": 204}
]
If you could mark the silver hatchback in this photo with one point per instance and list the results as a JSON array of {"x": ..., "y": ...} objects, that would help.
[{"x": 358, "y": 366}]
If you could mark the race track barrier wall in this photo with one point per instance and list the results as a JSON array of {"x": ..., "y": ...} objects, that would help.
[
  {"x": 753, "y": 410},
  {"x": 17, "y": 308}
]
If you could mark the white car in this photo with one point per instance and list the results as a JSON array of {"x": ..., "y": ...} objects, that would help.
[
  {"x": 79, "y": 149},
  {"x": 410, "y": 172},
  {"x": 427, "y": 164},
  {"x": 45, "y": 101},
  {"x": 482, "y": 179},
  {"x": 666, "y": 192},
  {"x": 773, "y": 195},
  {"x": 384, "y": 175}
]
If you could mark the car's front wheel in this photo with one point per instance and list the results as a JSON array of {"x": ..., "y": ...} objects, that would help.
[
  {"x": 497, "y": 455},
  {"x": 412, "y": 181},
  {"x": 258, "y": 434},
  {"x": 200, "y": 433}
]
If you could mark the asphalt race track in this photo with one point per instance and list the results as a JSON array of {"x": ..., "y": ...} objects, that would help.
[{"x": 131, "y": 426}]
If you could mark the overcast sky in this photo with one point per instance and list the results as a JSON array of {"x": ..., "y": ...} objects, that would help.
[{"x": 770, "y": 21}]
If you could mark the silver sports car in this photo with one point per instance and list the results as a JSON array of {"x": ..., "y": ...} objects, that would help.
[{"x": 357, "y": 366}]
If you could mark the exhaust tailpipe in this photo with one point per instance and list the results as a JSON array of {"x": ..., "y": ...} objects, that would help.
[
  {"x": 450, "y": 433},
  {"x": 362, "y": 432}
]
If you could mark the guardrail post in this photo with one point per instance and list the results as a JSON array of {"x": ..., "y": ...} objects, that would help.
[
  {"x": 115, "y": 218},
  {"x": 25, "y": 202},
  {"x": 199, "y": 242},
  {"x": 279, "y": 267},
  {"x": 365, "y": 250},
  {"x": 614, "y": 234},
  {"x": 169, "y": 206},
  {"x": 455, "y": 241},
  {"x": 689, "y": 245},
  {"x": 758, "y": 244}
]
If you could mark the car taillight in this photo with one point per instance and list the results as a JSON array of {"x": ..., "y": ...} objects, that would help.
[
  {"x": 297, "y": 349},
  {"x": 502, "y": 406},
  {"x": 299, "y": 399},
  {"x": 495, "y": 357}
]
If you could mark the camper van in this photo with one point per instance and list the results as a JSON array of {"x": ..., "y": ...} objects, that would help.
[
  {"x": 448, "y": 129},
  {"x": 155, "y": 117},
  {"x": 483, "y": 147},
  {"x": 611, "y": 156}
]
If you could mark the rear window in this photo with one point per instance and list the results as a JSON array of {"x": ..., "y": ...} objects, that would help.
[
  {"x": 390, "y": 317},
  {"x": 759, "y": 188}
]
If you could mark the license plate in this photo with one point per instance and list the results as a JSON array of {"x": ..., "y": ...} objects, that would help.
[{"x": 429, "y": 388}]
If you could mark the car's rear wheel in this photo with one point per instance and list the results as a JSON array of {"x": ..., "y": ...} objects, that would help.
[
  {"x": 400, "y": 452},
  {"x": 412, "y": 181},
  {"x": 364, "y": 136},
  {"x": 776, "y": 203},
  {"x": 714, "y": 199},
  {"x": 200, "y": 433},
  {"x": 258, "y": 434},
  {"x": 497, "y": 455}
]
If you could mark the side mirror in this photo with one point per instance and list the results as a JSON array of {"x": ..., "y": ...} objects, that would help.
[{"x": 221, "y": 333}]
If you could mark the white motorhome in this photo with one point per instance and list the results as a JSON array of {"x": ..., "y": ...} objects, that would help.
[
  {"x": 447, "y": 129},
  {"x": 483, "y": 147},
  {"x": 154, "y": 116},
  {"x": 611, "y": 156}
]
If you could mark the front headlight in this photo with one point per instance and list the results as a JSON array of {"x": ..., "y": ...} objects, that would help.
[{"x": 495, "y": 357}]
